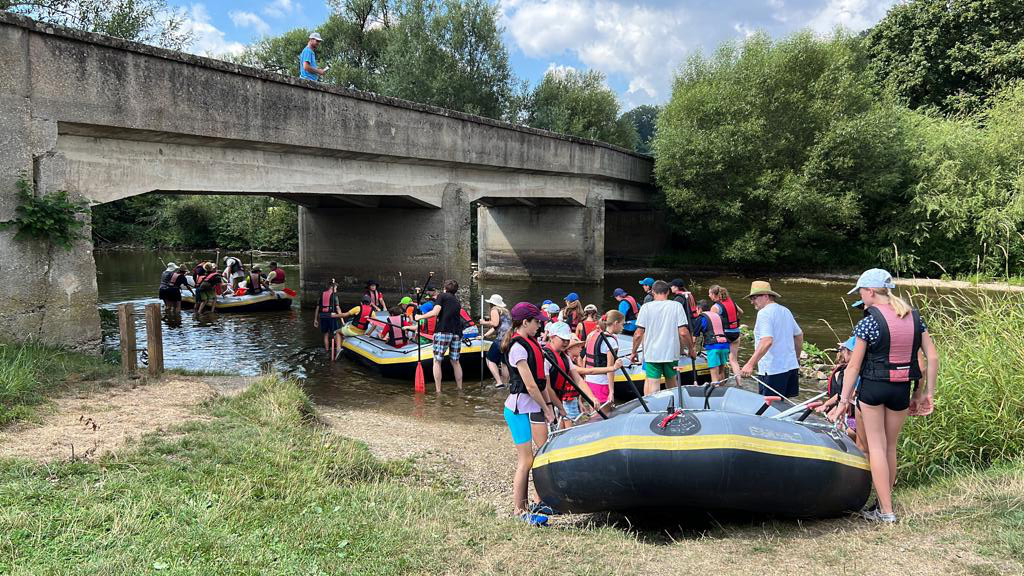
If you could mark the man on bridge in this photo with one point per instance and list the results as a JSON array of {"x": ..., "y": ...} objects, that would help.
[{"x": 307, "y": 60}]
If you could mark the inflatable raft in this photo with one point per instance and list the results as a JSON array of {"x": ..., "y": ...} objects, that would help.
[
  {"x": 393, "y": 362},
  {"x": 623, "y": 391},
  {"x": 263, "y": 302},
  {"x": 724, "y": 451}
]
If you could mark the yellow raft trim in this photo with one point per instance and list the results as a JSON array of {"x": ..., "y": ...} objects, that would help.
[
  {"x": 427, "y": 354},
  {"x": 707, "y": 442}
]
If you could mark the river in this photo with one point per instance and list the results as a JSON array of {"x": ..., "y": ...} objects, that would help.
[{"x": 245, "y": 343}]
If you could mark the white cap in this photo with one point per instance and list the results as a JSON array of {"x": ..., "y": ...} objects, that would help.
[
  {"x": 874, "y": 278},
  {"x": 552, "y": 309},
  {"x": 560, "y": 329},
  {"x": 315, "y": 36}
]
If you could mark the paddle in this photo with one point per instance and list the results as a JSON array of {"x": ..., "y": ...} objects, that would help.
[
  {"x": 629, "y": 379},
  {"x": 480, "y": 331},
  {"x": 418, "y": 382},
  {"x": 783, "y": 396},
  {"x": 568, "y": 378}
]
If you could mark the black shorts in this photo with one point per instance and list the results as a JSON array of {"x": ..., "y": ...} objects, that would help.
[
  {"x": 494, "y": 353},
  {"x": 787, "y": 384},
  {"x": 538, "y": 418},
  {"x": 170, "y": 294},
  {"x": 732, "y": 336},
  {"x": 893, "y": 395}
]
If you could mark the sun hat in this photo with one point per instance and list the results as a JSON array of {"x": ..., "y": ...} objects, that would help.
[
  {"x": 524, "y": 311},
  {"x": 572, "y": 297},
  {"x": 405, "y": 301},
  {"x": 590, "y": 308},
  {"x": 574, "y": 341},
  {"x": 647, "y": 281},
  {"x": 496, "y": 300},
  {"x": 171, "y": 267},
  {"x": 618, "y": 292},
  {"x": 315, "y": 36},
  {"x": 560, "y": 329},
  {"x": 758, "y": 287},
  {"x": 849, "y": 343},
  {"x": 874, "y": 278}
]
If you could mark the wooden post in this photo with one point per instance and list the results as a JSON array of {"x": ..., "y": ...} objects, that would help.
[
  {"x": 126, "y": 327},
  {"x": 154, "y": 339}
]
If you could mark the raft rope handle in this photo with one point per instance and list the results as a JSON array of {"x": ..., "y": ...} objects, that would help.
[{"x": 669, "y": 418}]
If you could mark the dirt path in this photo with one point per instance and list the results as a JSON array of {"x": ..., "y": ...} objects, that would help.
[{"x": 100, "y": 420}]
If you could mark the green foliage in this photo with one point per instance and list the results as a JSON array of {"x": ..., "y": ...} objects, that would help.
[
  {"x": 949, "y": 55},
  {"x": 148, "y": 21},
  {"x": 51, "y": 217},
  {"x": 580, "y": 104},
  {"x": 645, "y": 121},
  {"x": 979, "y": 414},
  {"x": 30, "y": 372}
]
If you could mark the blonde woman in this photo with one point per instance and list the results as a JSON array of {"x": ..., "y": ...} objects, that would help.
[
  {"x": 885, "y": 356},
  {"x": 731, "y": 314}
]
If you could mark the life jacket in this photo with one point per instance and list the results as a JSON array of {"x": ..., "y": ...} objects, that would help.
[
  {"x": 591, "y": 356},
  {"x": 198, "y": 272},
  {"x": 588, "y": 327},
  {"x": 166, "y": 279},
  {"x": 729, "y": 313},
  {"x": 428, "y": 326},
  {"x": 893, "y": 357},
  {"x": 467, "y": 320},
  {"x": 375, "y": 298},
  {"x": 395, "y": 334},
  {"x": 717, "y": 331},
  {"x": 534, "y": 358},
  {"x": 325, "y": 304},
  {"x": 278, "y": 276},
  {"x": 254, "y": 285},
  {"x": 363, "y": 319},
  {"x": 572, "y": 317},
  {"x": 561, "y": 386},
  {"x": 686, "y": 299},
  {"x": 633, "y": 308}
]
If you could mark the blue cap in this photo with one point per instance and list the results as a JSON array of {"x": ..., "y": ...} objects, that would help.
[
  {"x": 618, "y": 292},
  {"x": 545, "y": 303},
  {"x": 647, "y": 281},
  {"x": 572, "y": 297},
  {"x": 874, "y": 278},
  {"x": 857, "y": 304},
  {"x": 849, "y": 343}
]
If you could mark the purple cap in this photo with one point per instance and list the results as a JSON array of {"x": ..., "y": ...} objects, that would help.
[
  {"x": 618, "y": 292},
  {"x": 524, "y": 311}
]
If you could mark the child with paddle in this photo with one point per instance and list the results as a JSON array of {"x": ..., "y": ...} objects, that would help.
[
  {"x": 600, "y": 357},
  {"x": 835, "y": 385},
  {"x": 527, "y": 407},
  {"x": 564, "y": 376}
]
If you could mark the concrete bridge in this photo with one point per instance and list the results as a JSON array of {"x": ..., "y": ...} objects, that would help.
[{"x": 383, "y": 184}]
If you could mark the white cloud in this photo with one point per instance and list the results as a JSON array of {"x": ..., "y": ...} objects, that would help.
[
  {"x": 743, "y": 30},
  {"x": 208, "y": 40},
  {"x": 559, "y": 69},
  {"x": 249, "y": 20},
  {"x": 279, "y": 8},
  {"x": 854, "y": 15}
]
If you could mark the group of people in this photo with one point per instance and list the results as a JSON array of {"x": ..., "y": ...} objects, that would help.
[
  {"x": 206, "y": 282},
  {"x": 558, "y": 363}
]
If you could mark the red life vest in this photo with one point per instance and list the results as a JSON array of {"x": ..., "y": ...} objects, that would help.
[
  {"x": 428, "y": 326},
  {"x": 729, "y": 312},
  {"x": 893, "y": 357},
  {"x": 588, "y": 327},
  {"x": 325, "y": 304},
  {"x": 375, "y": 298},
  {"x": 394, "y": 334},
  {"x": 363, "y": 320},
  {"x": 686, "y": 299},
  {"x": 633, "y": 308},
  {"x": 535, "y": 360},
  {"x": 717, "y": 331},
  {"x": 467, "y": 320},
  {"x": 278, "y": 276},
  {"x": 561, "y": 386},
  {"x": 572, "y": 317},
  {"x": 591, "y": 357}
]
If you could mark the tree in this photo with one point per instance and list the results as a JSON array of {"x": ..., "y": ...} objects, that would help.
[
  {"x": 580, "y": 104},
  {"x": 644, "y": 119},
  {"x": 149, "y": 21},
  {"x": 952, "y": 55}
]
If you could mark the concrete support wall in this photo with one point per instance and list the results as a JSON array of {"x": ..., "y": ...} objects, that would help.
[
  {"x": 542, "y": 242},
  {"x": 52, "y": 296},
  {"x": 356, "y": 244},
  {"x": 634, "y": 237}
]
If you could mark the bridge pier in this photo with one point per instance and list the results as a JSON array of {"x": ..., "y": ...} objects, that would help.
[{"x": 353, "y": 244}]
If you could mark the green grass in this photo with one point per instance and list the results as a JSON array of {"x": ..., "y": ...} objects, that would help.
[
  {"x": 29, "y": 373},
  {"x": 988, "y": 279},
  {"x": 979, "y": 401}
]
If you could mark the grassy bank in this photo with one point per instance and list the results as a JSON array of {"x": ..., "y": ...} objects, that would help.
[{"x": 31, "y": 372}]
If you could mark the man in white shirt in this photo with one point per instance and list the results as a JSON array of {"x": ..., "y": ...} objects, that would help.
[
  {"x": 778, "y": 341},
  {"x": 663, "y": 329}
]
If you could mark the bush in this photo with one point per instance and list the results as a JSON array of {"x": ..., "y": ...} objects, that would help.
[{"x": 979, "y": 401}]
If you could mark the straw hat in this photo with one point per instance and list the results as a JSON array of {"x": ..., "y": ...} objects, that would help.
[
  {"x": 758, "y": 287},
  {"x": 574, "y": 341},
  {"x": 497, "y": 300}
]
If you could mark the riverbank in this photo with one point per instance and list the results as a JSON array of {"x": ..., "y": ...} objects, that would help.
[{"x": 262, "y": 482}]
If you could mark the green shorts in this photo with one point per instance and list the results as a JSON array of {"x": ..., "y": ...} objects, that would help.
[
  {"x": 717, "y": 358},
  {"x": 656, "y": 370},
  {"x": 208, "y": 296}
]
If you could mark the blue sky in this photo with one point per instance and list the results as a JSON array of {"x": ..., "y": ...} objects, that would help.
[{"x": 636, "y": 44}]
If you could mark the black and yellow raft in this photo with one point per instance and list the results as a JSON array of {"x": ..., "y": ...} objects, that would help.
[
  {"x": 265, "y": 301},
  {"x": 717, "y": 453}
]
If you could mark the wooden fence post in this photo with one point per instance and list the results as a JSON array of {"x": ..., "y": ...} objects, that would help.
[
  {"x": 126, "y": 327},
  {"x": 154, "y": 339}
]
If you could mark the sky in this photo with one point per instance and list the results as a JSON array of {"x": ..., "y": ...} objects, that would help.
[{"x": 637, "y": 44}]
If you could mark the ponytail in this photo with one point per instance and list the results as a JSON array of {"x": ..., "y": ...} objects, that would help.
[
  {"x": 899, "y": 305},
  {"x": 610, "y": 317},
  {"x": 506, "y": 341},
  {"x": 719, "y": 292}
]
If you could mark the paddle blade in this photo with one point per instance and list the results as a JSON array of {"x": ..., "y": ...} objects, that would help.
[
  {"x": 291, "y": 293},
  {"x": 420, "y": 383}
]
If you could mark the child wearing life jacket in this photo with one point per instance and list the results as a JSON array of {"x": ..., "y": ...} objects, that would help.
[
  {"x": 730, "y": 313},
  {"x": 360, "y": 318},
  {"x": 528, "y": 407},
  {"x": 589, "y": 322},
  {"x": 885, "y": 356},
  {"x": 601, "y": 356},
  {"x": 835, "y": 385},
  {"x": 375, "y": 297},
  {"x": 326, "y": 319},
  {"x": 572, "y": 313},
  {"x": 711, "y": 328},
  {"x": 559, "y": 364}
]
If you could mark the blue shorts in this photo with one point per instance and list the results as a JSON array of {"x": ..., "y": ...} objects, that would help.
[
  {"x": 445, "y": 341},
  {"x": 519, "y": 426},
  {"x": 717, "y": 358},
  {"x": 572, "y": 408}
]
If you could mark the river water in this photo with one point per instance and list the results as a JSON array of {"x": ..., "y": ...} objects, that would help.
[{"x": 245, "y": 343}]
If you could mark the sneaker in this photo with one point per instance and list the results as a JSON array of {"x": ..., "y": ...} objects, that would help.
[
  {"x": 541, "y": 508},
  {"x": 534, "y": 519},
  {"x": 870, "y": 507},
  {"x": 499, "y": 384},
  {"x": 876, "y": 515}
]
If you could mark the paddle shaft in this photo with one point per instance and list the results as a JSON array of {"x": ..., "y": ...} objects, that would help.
[
  {"x": 629, "y": 379},
  {"x": 480, "y": 330},
  {"x": 568, "y": 378},
  {"x": 419, "y": 298},
  {"x": 777, "y": 393}
]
